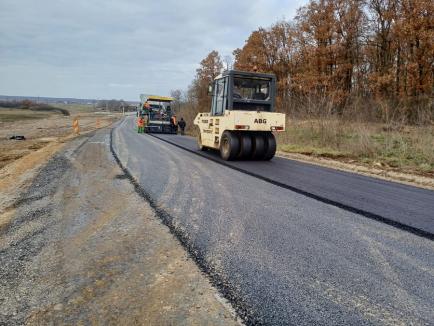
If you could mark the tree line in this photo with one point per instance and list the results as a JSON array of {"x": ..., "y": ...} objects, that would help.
[{"x": 370, "y": 58}]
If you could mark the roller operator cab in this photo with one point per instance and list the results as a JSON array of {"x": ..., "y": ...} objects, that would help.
[{"x": 242, "y": 118}]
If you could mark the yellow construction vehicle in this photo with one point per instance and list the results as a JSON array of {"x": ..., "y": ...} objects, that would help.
[
  {"x": 242, "y": 118},
  {"x": 158, "y": 113}
]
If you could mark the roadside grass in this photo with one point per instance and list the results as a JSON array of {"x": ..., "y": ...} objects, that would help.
[
  {"x": 404, "y": 148},
  {"x": 12, "y": 115}
]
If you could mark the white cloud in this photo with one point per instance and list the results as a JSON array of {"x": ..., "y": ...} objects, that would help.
[{"x": 72, "y": 48}]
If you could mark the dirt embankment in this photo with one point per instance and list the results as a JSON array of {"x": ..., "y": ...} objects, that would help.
[
  {"x": 41, "y": 129},
  {"x": 46, "y": 133},
  {"x": 79, "y": 246}
]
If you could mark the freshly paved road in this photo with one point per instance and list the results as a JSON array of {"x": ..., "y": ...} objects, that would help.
[
  {"x": 392, "y": 202},
  {"x": 284, "y": 257}
]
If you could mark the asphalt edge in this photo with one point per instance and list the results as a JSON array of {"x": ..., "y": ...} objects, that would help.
[
  {"x": 215, "y": 279},
  {"x": 373, "y": 216}
]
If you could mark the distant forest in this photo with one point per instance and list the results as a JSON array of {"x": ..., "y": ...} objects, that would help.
[{"x": 372, "y": 59}]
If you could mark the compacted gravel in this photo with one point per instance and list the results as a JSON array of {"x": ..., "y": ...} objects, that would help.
[{"x": 83, "y": 247}]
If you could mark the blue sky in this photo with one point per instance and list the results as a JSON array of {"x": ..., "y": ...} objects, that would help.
[{"x": 120, "y": 48}]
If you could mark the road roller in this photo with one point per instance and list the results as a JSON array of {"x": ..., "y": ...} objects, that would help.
[{"x": 242, "y": 121}]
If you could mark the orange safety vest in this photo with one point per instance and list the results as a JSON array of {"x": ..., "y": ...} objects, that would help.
[
  {"x": 141, "y": 122},
  {"x": 174, "y": 121}
]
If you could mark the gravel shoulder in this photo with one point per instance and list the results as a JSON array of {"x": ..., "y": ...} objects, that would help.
[{"x": 82, "y": 247}]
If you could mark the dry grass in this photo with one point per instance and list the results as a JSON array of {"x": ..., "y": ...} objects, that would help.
[
  {"x": 188, "y": 113},
  {"x": 76, "y": 108},
  {"x": 11, "y": 115},
  {"x": 405, "y": 148}
]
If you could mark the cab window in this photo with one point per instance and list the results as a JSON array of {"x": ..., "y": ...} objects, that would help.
[{"x": 220, "y": 97}]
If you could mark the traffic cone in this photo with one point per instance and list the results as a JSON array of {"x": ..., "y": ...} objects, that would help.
[{"x": 75, "y": 126}]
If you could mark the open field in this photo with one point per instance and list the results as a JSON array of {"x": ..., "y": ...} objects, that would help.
[
  {"x": 12, "y": 115},
  {"x": 400, "y": 148},
  {"x": 76, "y": 108},
  {"x": 42, "y": 128}
]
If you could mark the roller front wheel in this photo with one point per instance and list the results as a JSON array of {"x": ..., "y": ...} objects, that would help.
[
  {"x": 270, "y": 146},
  {"x": 199, "y": 144},
  {"x": 229, "y": 146}
]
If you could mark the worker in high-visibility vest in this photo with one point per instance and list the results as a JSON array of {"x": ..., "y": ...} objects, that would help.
[{"x": 140, "y": 125}]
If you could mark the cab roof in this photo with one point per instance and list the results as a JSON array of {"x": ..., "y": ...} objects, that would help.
[
  {"x": 160, "y": 98},
  {"x": 245, "y": 74}
]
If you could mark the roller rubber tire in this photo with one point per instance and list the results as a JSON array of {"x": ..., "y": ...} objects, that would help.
[
  {"x": 246, "y": 145},
  {"x": 229, "y": 146},
  {"x": 199, "y": 144},
  {"x": 270, "y": 146},
  {"x": 258, "y": 150}
]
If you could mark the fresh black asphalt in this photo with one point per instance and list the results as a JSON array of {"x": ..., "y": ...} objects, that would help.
[
  {"x": 407, "y": 207},
  {"x": 281, "y": 257}
]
